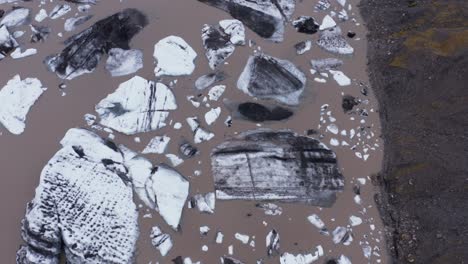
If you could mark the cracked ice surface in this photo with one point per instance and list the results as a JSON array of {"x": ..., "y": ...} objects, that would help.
[{"x": 138, "y": 105}]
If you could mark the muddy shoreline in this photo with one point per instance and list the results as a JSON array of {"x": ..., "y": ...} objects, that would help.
[{"x": 418, "y": 61}]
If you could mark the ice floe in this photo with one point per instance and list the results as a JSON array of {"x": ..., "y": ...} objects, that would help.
[
  {"x": 136, "y": 106},
  {"x": 266, "y": 77},
  {"x": 16, "y": 99},
  {"x": 161, "y": 241},
  {"x": 174, "y": 57}
]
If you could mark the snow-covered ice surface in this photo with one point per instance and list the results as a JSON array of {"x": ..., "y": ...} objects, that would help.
[
  {"x": 16, "y": 99},
  {"x": 174, "y": 57}
]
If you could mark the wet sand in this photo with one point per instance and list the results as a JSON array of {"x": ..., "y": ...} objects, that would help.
[{"x": 22, "y": 157}]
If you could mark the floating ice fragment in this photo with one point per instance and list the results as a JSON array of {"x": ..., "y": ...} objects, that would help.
[
  {"x": 41, "y": 15},
  {"x": 273, "y": 243},
  {"x": 174, "y": 57},
  {"x": 207, "y": 80},
  {"x": 200, "y": 134},
  {"x": 327, "y": 23},
  {"x": 204, "y": 230},
  {"x": 344, "y": 260},
  {"x": 212, "y": 115},
  {"x": 340, "y": 78},
  {"x": 174, "y": 160},
  {"x": 59, "y": 11},
  {"x": 219, "y": 237},
  {"x": 342, "y": 235},
  {"x": 74, "y": 22},
  {"x": 16, "y": 17},
  {"x": 216, "y": 92},
  {"x": 16, "y": 99},
  {"x": 168, "y": 189},
  {"x": 137, "y": 106},
  {"x": 303, "y": 46},
  {"x": 161, "y": 241},
  {"x": 17, "y": 54},
  {"x": 305, "y": 24},
  {"x": 157, "y": 145},
  {"x": 355, "y": 220},
  {"x": 331, "y": 40},
  {"x": 271, "y": 209},
  {"x": 204, "y": 203},
  {"x": 242, "y": 238}
]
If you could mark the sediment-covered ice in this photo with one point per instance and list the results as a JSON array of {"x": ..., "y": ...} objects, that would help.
[
  {"x": 266, "y": 18},
  {"x": 16, "y": 99},
  {"x": 276, "y": 165},
  {"x": 84, "y": 50},
  {"x": 306, "y": 24},
  {"x": 136, "y": 106},
  {"x": 220, "y": 41},
  {"x": 266, "y": 77},
  {"x": 174, "y": 57},
  {"x": 273, "y": 243},
  {"x": 333, "y": 41}
]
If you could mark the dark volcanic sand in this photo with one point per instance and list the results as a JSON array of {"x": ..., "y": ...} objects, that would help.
[{"x": 418, "y": 55}]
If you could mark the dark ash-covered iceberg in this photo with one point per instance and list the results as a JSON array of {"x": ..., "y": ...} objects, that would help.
[
  {"x": 267, "y": 77},
  {"x": 83, "y": 205},
  {"x": 84, "y": 50},
  {"x": 276, "y": 165},
  {"x": 267, "y": 18}
]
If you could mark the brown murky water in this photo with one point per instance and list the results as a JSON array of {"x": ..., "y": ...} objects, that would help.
[{"x": 22, "y": 157}]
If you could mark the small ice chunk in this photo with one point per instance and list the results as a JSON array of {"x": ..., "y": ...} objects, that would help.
[
  {"x": 315, "y": 220},
  {"x": 174, "y": 159},
  {"x": 204, "y": 203},
  {"x": 344, "y": 260},
  {"x": 74, "y": 22},
  {"x": 327, "y": 23},
  {"x": 333, "y": 128},
  {"x": 303, "y": 46},
  {"x": 174, "y": 57},
  {"x": 332, "y": 41},
  {"x": 219, "y": 237},
  {"x": 200, "y": 134},
  {"x": 157, "y": 145},
  {"x": 342, "y": 235},
  {"x": 161, "y": 241},
  {"x": 16, "y": 99},
  {"x": 355, "y": 220},
  {"x": 123, "y": 62},
  {"x": 216, "y": 92},
  {"x": 204, "y": 230},
  {"x": 41, "y": 15},
  {"x": 340, "y": 78},
  {"x": 207, "y": 80},
  {"x": 242, "y": 238},
  {"x": 59, "y": 11},
  {"x": 17, "y": 54},
  {"x": 273, "y": 243},
  {"x": 270, "y": 209},
  {"x": 212, "y": 115}
]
